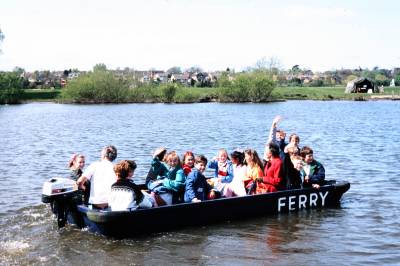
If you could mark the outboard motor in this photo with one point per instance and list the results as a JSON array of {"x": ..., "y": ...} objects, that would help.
[{"x": 63, "y": 196}]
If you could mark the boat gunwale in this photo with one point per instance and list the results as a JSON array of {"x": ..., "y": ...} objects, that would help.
[{"x": 334, "y": 185}]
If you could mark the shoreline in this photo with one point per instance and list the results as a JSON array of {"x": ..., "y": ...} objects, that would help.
[
  {"x": 356, "y": 99},
  {"x": 279, "y": 94}
]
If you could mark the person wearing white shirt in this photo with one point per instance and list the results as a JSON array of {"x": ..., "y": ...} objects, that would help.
[{"x": 101, "y": 176}]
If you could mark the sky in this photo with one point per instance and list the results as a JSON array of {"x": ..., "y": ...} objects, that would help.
[{"x": 159, "y": 34}]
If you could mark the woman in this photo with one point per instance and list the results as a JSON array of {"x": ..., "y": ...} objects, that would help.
[{"x": 101, "y": 176}]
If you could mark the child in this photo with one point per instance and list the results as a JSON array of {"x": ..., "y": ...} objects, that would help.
[
  {"x": 297, "y": 162},
  {"x": 125, "y": 195},
  {"x": 76, "y": 164},
  {"x": 294, "y": 141},
  {"x": 236, "y": 187},
  {"x": 223, "y": 170},
  {"x": 313, "y": 172},
  {"x": 188, "y": 162},
  {"x": 170, "y": 183},
  {"x": 290, "y": 172},
  {"x": 254, "y": 171},
  {"x": 156, "y": 169},
  {"x": 280, "y": 140},
  {"x": 197, "y": 188}
]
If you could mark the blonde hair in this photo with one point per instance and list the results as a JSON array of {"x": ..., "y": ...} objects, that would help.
[
  {"x": 224, "y": 151},
  {"x": 172, "y": 155}
]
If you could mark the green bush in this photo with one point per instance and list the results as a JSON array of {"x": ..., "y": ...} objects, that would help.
[
  {"x": 99, "y": 87},
  {"x": 144, "y": 93},
  {"x": 247, "y": 87},
  {"x": 11, "y": 88},
  {"x": 168, "y": 92},
  {"x": 261, "y": 88}
]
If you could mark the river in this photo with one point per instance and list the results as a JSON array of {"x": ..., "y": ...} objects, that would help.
[{"x": 356, "y": 141}]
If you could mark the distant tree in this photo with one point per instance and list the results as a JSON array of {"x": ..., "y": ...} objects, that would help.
[
  {"x": 271, "y": 65},
  {"x": 381, "y": 80},
  {"x": 127, "y": 70},
  {"x": 296, "y": 69},
  {"x": 66, "y": 73},
  {"x": 19, "y": 70},
  {"x": 194, "y": 69},
  {"x": 261, "y": 64},
  {"x": 368, "y": 74},
  {"x": 174, "y": 70},
  {"x": 99, "y": 67},
  {"x": 397, "y": 80},
  {"x": 350, "y": 78},
  {"x": 11, "y": 87}
]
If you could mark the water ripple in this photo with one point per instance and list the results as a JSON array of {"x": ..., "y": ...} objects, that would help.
[{"x": 356, "y": 141}]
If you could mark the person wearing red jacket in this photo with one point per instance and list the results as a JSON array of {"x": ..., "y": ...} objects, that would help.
[{"x": 272, "y": 179}]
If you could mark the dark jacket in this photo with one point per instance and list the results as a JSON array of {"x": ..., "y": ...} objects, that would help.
[
  {"x": 317, "y": 174},
  {"x": 196, "y": 186},
  {"x": 291, "y": 176}
]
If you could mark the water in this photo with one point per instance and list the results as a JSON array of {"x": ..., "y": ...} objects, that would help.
[{"x": 356, "y": 141}]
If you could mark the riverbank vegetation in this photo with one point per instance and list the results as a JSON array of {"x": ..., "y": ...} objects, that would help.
[
  {"x": 102, "y": 86},
  {"x": 262, "y": 83},
  {"x": 11, "y": 88}
]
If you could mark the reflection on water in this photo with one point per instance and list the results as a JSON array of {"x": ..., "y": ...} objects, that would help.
[{"x": 356, "y": 141}]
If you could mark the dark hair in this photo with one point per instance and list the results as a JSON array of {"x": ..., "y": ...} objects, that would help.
[
  {"x": 132, "y": 165},
  {"x": 294, "y": 135},
  {"x": 239, "y": 156},
  {"x": 109, "y": 152},
  {"x": 274, "y": 149},
  {"x": 200, "y": 159},
  {"x": 186, "y": 154},
  {"x": 306, "y": 151}
]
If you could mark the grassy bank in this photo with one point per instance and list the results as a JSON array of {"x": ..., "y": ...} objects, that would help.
[
  {"x": 194, "y": 94},
  {"x": 324, "y": 93}
]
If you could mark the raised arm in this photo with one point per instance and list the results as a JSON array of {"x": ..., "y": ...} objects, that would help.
[
  {"x": 272, "y": 135},
  {"x": 272, "y": 131}
]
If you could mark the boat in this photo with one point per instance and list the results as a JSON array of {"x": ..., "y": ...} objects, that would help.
[{"x": 65, "y": 201}]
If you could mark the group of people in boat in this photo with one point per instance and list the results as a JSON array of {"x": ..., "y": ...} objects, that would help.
[{"x": 170, "y": 180}]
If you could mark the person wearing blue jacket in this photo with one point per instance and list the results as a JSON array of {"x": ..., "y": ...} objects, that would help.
[
  {"x": 313, "y": 172},
  {"x": 197, "y": 187},
  {"x": 223, "y": 169}
]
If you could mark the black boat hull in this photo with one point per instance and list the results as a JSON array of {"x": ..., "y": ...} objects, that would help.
[{"x": 130, "y": 223}]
